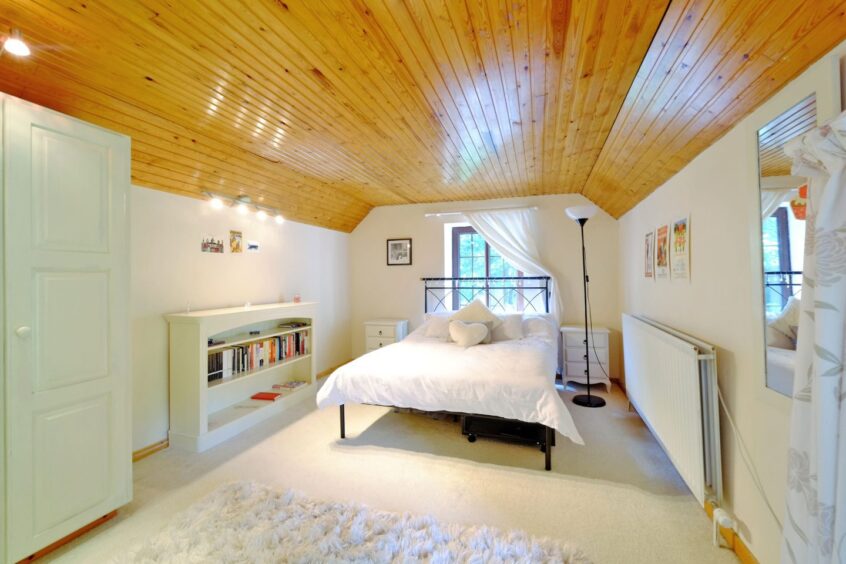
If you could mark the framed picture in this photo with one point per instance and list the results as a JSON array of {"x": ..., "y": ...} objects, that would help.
[
  {"x": 399, "y": 252},
  {"x": 662, "y": 252},
  {"x": 649, "y": 256},
  {"x": 235, "y": 245},
  {"x": 680, "y": 249},
  {"x": 211, "y": 244}
]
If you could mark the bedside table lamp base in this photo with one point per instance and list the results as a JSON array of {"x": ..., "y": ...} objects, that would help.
[{"x": 587, "y": 400}]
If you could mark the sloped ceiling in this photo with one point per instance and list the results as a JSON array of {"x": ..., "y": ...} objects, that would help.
[{"x": 326, "y": 108}]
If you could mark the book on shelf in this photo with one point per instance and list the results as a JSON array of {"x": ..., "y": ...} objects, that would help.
[
  {"x": 266, "y": 396},
  {"x": 292, "y": 385},
  {"x": 292, "y": 325},
  {"x": 231, "y": 361}
]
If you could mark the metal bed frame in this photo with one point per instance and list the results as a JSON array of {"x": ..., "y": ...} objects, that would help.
[
  {"x": 533, "y": 293},
  {"x": 784, "y": 282}
]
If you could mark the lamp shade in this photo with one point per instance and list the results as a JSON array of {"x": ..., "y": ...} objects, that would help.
[{"x": 581, "y": 212}]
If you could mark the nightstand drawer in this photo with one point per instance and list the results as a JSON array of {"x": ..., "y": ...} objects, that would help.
[
  {"x": 374, "y": 343},
  {"x": 381, "y": 331},
  {"x": 577, "y": 354},
  {"x": 577, "y": 370},
  {"x": 600, "y": 340}
]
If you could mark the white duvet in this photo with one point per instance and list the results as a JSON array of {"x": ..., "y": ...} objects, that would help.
[{"x": 512, "y": 379}]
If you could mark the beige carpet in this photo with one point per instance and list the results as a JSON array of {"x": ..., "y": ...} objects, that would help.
[{"x": 618, "y": 498}]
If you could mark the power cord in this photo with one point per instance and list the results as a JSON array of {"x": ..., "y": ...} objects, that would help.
[
  {"x": 590, "y": 325},
  {"x": 747, "y": 459}
]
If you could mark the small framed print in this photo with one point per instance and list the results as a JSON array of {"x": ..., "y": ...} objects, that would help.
[
  {"x": 649, "y": 256},
  {"x": 399, "y": 252},
  {"x": 235, "y": 244}
]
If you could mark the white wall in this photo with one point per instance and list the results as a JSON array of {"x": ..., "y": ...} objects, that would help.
[
  {"x": 722, "y": 303},
  {"x": 379, "y": 290},
  {"x": 169, "y": 272}
]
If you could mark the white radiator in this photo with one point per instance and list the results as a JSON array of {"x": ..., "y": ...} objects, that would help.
[{"x": 671, "y": 380}]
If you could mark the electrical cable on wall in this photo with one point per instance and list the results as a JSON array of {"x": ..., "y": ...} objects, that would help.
[
  {"x": 747, "y": 459},
  {"x": 590, "y": 326}
]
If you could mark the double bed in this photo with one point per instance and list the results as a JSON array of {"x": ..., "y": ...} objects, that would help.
[{"x": 509, "y": 379}]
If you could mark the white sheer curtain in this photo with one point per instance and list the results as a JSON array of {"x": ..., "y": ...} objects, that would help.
[
  {"x": 772, "y": 198},
  {"x": 815, "y": 524},
  {"x": 514, "y": 235}
]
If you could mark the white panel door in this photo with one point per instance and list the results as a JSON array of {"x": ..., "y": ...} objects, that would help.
[{"x": 68, "y": 419}]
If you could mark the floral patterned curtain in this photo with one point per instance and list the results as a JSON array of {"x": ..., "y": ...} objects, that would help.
[{"x": 815, "y": 518}]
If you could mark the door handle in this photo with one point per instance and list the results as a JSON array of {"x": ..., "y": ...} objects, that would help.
[{"x": 23, "y": 331}]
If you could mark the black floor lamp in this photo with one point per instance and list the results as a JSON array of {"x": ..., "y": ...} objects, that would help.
[{"x": 581, "y": 214}]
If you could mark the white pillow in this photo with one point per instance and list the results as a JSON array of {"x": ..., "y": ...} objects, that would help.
[
  {"x": 540, "y": 326},
  {"x": 776, "y": 338},
  {"x": 476, "y": 312},
  {"x": 511, "y": 328},
  {"x": 787, "y": 321},
  {"x": 467, "y": 334},
  {"x": 430, "y": 315},
  {"x": 437, "y": 327}
]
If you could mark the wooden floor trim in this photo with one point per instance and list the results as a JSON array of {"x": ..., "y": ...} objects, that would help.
[
  {"x": 148, "y": 450},
  {"x": 329, "y": 371},
  {"x": 733, "y": 539},
  {"x": 65, "y": 540}
]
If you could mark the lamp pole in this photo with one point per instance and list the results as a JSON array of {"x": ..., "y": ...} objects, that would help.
[{"x": 586, "y": 400}]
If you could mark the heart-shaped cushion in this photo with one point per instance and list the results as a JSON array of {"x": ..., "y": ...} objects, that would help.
[{"x": 467, "y": 334}]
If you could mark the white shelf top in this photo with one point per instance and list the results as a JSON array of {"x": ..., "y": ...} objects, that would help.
[
  {"x": 385, "y": 321},
  {"x": 282, "y": 307},
  {"x": 571, "y": 328}
]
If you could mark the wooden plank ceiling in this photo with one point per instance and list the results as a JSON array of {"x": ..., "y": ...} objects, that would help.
[{"x": 326, "y": 108}]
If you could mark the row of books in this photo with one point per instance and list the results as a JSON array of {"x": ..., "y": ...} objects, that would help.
[{"x": 231, "y": 361}]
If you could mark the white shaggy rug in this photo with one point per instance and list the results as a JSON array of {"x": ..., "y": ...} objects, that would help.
[{"x": 249, "y": 522}]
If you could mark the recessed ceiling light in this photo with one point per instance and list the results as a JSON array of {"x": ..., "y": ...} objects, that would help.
[
  {"x": 15, "y": 45},
  {"x": 243, "y": 206}
]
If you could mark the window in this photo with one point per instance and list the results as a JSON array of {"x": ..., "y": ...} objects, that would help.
[
  {"x": 472, "y": 257},
  {"x": 777, "y": 265}
]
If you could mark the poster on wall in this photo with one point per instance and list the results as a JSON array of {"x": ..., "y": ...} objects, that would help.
[
  {"x": 235, "y": 242},
  {"x": 662, "y": 252},
  {"x": 252, "y": 246},
  {"x": 211, "y": 244},
  {"x": 680, "y": 255},
  {"x": 649, "y": 256}
]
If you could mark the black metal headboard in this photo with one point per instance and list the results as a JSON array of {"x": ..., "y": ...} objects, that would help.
[{"x": 528, "y": 294}]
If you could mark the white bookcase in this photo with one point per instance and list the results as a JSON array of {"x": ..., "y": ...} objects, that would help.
[{"x": 203, "y": 413}]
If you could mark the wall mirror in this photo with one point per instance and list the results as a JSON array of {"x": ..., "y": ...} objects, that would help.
[{"x": 783, "y": 239}]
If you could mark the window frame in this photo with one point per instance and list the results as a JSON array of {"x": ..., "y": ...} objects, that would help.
[
  {"x": 457, "y": 231},
  {"x": 784, "y": 261}
]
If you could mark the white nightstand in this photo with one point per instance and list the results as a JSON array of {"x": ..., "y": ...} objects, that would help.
[
  {"x": 380, "y": 333},
  {"x": 573, "y": 337}
]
